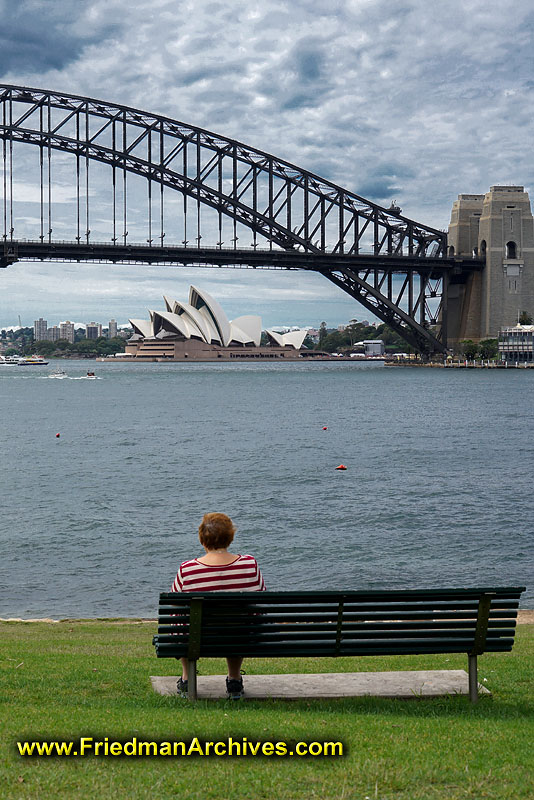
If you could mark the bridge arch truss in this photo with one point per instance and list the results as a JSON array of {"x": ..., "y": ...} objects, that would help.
[{"x": 179, "y": 194}]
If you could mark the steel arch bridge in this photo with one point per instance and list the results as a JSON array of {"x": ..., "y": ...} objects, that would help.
[{"x": 110, "y": 183}]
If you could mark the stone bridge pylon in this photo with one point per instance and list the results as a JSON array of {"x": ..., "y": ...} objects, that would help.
[{"x": 496, "y": 227}]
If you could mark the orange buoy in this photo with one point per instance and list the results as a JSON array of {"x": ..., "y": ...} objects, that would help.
[
  {"x": 341, "y": 466},
  {"x": 57, "y": 435}
]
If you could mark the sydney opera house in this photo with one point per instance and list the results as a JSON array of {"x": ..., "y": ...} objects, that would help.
[{"x": 200, "y": 330}]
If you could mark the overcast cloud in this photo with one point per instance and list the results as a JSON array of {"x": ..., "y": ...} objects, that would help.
[{"x": 409, "y": 101}]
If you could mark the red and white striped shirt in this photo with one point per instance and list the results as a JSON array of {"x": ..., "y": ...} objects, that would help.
[{"x": 241, "y": 575}]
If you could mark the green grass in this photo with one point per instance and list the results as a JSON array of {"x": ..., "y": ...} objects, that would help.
[{"x": 72, "y": 679}]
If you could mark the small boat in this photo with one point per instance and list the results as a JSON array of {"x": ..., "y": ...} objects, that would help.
[
  {"x": 58, "y": 373},
  {"x": 90, "y": 374}
]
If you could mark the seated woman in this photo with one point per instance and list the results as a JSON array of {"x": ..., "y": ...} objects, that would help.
[{"x": 218, "y": 571}]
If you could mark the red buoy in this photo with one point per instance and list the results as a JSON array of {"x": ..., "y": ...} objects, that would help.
[
  {"x": 57, "y": 435},
  {"x": 341, "y": 466},
  {"x": 325, "y": 428}
]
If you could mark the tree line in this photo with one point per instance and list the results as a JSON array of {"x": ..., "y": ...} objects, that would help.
[
  {"x": 335, "y": 341},
  {"x": 62, "y": 348}
]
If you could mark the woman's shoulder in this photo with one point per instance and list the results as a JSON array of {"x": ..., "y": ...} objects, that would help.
[
  {"x": 248, "y": 557},
  {"x": 191, "y": 562}
]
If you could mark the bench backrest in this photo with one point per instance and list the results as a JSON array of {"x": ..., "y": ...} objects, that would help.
[{"x": 337, "y": 623}]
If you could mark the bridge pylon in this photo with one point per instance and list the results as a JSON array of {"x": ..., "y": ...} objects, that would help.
[{"x": 496, "y": 227}]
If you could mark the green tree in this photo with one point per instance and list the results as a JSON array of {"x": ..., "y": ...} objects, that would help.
[
  {"x": 43, "y": 347},
  {"x": 525, "y": 318},
  {"x": 356, "y": 332},
  {"x": 323, "y": 333},
  {"x": 335, "y": 341},
  {"x": 469, "y": 348},
  {"x": 488, "y": 348},
  {"x": 86, "y": 347}
]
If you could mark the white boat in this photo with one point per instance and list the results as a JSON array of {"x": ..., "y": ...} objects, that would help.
[
  {"x": 9, "y": 361},
  {"x": 58, "y": 373},
  {"x": 28, "y": 361}
]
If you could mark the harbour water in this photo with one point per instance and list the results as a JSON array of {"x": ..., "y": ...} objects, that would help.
[{"x": 437, "y": 491}]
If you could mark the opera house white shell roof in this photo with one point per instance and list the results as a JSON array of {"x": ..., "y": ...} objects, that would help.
[
  {"x": 293, "y": 338},
  {"x": 203, "y": 318}
]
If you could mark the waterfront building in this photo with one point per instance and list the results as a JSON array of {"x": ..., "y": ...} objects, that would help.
[
  {"x": 93, "y": 330},
  {"x": 374, "y": 347},
  {"x": 112, "y": 329},
  {"x": 40, "y": 328},
  {"x": 516, "y": 343},
  {"x": 199, "y": 329},
  {"x": 66, "y": 331}
]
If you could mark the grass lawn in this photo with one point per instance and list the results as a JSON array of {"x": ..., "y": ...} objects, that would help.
[{"x": 72, "y": 679}]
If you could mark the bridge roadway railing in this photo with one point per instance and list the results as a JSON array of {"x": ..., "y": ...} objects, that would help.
[{"x": 67, "y": 250}]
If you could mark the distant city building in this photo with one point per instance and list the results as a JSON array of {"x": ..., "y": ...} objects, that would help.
[
  {"x": 93, "y": 330},
  {"x": 66, "y": 331},
  {"x": 516, "y": 343},
  {"x": 112, "y": 329},
  {"x": 40, "y": 328},
  {"x": 341, "y": 328},
  {"x": 52, "y": 334}
]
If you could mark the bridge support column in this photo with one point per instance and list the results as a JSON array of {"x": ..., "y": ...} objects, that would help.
[{"x": 498, "y": 227}]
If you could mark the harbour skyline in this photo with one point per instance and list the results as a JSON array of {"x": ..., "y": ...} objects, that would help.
[{"x": 354, "y": 118}]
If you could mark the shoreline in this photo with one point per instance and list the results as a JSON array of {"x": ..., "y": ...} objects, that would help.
[{"x": 525, "y": 616}]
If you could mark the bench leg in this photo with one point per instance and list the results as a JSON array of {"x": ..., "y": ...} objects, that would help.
[
  {"x": 192, "y": 680},
  {"x": 473, "y": 679}
]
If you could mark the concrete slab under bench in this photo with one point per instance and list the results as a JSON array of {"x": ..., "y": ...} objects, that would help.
[{"x": 407, "y": 684}]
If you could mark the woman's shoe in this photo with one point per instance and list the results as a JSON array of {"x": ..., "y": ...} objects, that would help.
[
  {"x": 234, "y": 688},
  {"x": 182, "y": 687}
]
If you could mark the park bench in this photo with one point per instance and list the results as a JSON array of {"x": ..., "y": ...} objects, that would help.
[{"x": 336, "y": 623}]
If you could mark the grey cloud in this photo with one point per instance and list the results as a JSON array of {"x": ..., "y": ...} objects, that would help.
[
  {"x": 378, "y": 189},
  {"x": 393, "y": 169},
  {"x": 37, "y": 37},
  {"x": 308, "y": 58},
  {"x": 215, "y": 71},
  {"x": 199, "y": 44},
  {"x": 299, "y": 100}
]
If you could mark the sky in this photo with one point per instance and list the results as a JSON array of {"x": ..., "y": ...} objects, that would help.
[{"x": 412, "y": 101}]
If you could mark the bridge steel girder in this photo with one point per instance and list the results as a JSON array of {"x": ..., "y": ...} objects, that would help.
[
  {"x": 297, "y": 190},
  {"x": 418, "y": 335},
  {"x": 294, "y": 212}
]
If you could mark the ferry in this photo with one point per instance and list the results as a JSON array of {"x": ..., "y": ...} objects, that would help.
[
  {"x": 32, "y": 361},
  {"x": 9, "y": 361}
]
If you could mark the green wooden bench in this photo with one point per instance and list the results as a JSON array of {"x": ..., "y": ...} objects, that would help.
[{"x": 282, "y": 624}]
